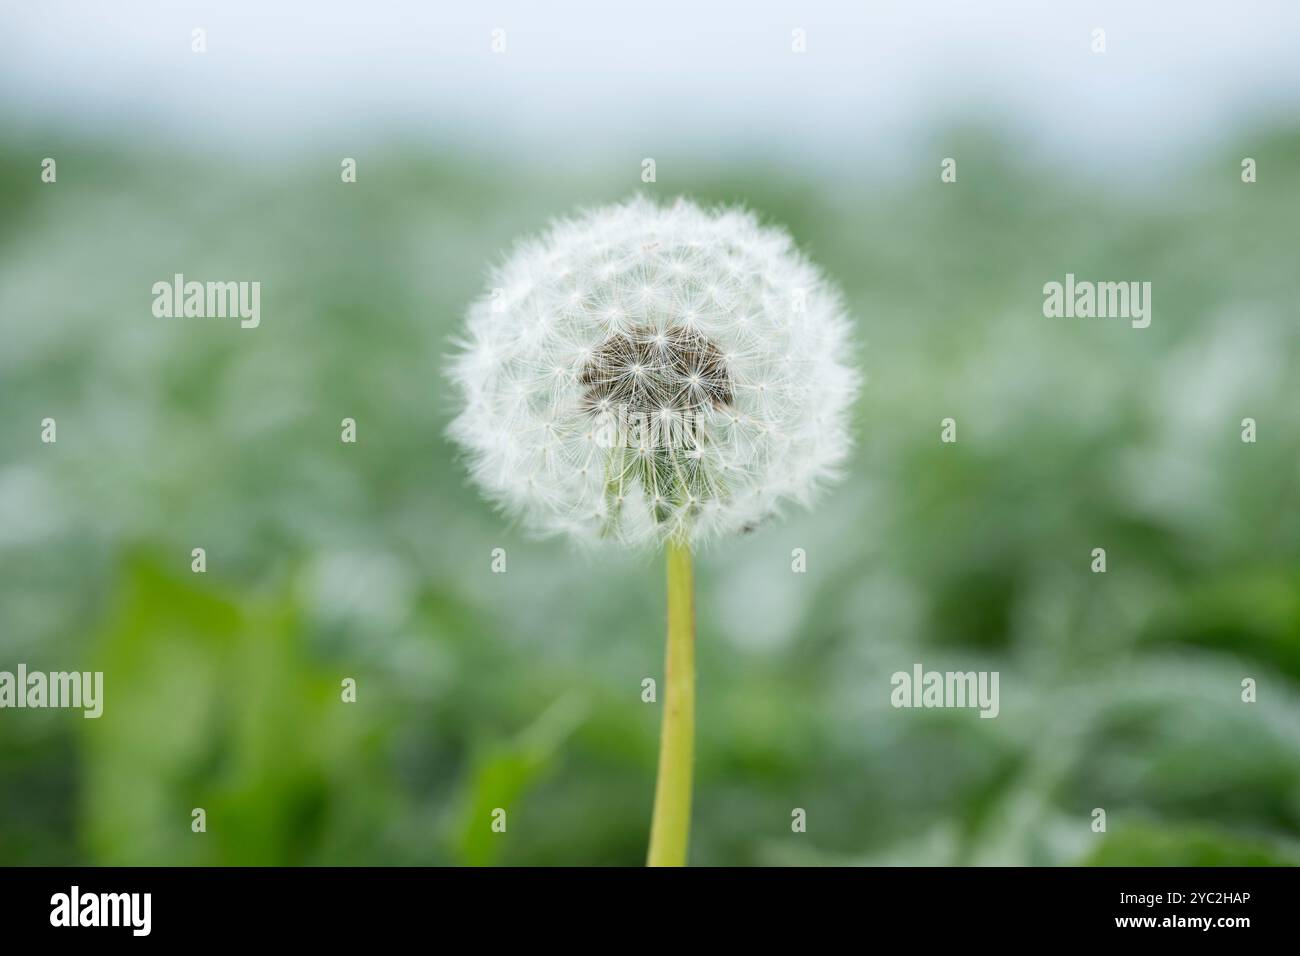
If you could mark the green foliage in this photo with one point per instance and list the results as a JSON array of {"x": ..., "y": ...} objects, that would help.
[
  {"x": 521, "y": 690},
  {"x": 1159, "y": 846}
]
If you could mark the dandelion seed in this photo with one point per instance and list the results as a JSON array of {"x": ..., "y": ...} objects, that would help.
[{"x": 637, "y": 353}]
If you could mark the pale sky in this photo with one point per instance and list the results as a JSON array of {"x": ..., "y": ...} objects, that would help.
[{"x": 603, "y": 78}]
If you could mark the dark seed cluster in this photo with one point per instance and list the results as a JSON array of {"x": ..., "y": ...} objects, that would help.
[{"x": 645, "y": 370}]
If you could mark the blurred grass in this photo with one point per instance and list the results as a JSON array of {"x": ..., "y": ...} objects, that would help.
[{"x": 522, "y": 690}]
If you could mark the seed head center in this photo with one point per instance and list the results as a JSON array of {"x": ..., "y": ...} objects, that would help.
[{"x": 649, "y": 370}]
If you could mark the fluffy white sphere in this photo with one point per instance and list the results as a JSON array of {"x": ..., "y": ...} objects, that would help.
[{"x": 641, "y": 373}]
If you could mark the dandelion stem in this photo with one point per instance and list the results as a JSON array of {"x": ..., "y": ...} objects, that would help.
[{"x": 670, "y": 827}]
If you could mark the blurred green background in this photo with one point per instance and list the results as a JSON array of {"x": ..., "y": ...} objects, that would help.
[{"x": 522, "y": 690}]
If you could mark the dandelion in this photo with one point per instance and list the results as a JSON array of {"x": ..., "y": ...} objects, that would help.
[{"x": 656, "y": 377}]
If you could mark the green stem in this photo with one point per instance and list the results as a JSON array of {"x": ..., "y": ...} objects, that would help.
[{"x": 670, "y": 828}]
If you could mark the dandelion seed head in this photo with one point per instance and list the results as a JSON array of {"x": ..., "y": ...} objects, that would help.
[{"x": 657, "y": 326}]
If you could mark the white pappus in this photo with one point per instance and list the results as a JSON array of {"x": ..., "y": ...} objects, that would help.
[{"x": 643, "y": 373}]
